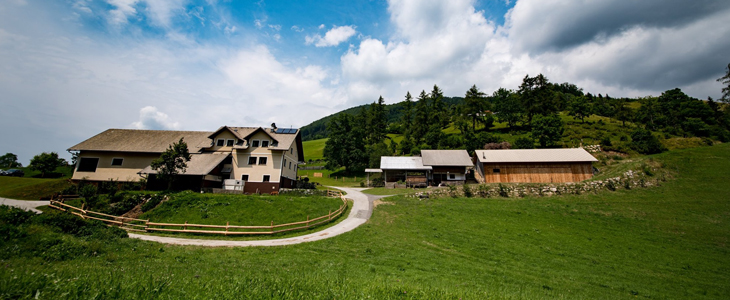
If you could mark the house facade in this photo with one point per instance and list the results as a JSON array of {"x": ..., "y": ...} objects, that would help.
[
  {"x": 265, "y": 159},
  {"x": 533, "y": 165}
]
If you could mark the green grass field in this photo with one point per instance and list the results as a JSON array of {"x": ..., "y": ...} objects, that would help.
[
  {"x": 24, "y": 188},
  {"x": 666, "y": 242},
  {"x": 245, "y": 210},
  {"x": 313, "y": 149}
]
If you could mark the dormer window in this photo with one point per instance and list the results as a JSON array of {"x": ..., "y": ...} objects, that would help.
[
  {"x": 265, "y": 144},
  {"x": 229, "y": 143},
  {"x": 255, "y": 143},
  {"x": 220, "y": 142}
]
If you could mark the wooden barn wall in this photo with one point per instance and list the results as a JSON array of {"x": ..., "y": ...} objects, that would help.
[{"x": 537, "y": 172}]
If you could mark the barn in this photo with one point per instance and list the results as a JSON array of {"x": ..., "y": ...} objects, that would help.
[{"x": 534, "y": 165}]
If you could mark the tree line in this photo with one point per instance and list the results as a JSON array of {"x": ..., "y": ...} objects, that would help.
[{"x": 358, "y": 139}]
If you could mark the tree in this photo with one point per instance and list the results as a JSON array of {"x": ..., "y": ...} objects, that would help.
[
  {"x": 439, "y": 113},
  {"x": 579, "y": 108},
  {"x": 377, "y": 121},
  {"x": 345, "y": 146},
  {"x": 474, "y": 105},
  {"x": 407, "y": 120},
  {"x": 507, "y": 106},
  {"x": 622, "y": 112},
  {"x": 421, "y": 118},
  {"x": 9, "y": 160},
  {"x": 536, "y": 96},
  {"x": 645, "y": 143},
  {"x": 725, "y": 89},
  {"x": 547, "y": 129},
  {"x": 172, "y": 162},
  {"x": 46, "y": 163},
  {"x": 524, "y": 143}
]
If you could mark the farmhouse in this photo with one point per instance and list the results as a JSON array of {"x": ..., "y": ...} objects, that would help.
[
  {"x": 432, "y": 167},
  {"x": 264, "y": 159},
  {"x": 534, "y": 165}
]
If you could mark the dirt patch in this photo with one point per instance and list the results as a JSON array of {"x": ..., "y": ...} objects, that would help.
[{"x": 380, "y": 202}]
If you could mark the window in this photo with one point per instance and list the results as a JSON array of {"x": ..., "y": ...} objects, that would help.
[
  {"x": 244, "y": 177},
  {"x": 220, "y": 142},
  {"x": 87, "y": 164},
  {"x": 229, "y": 143},
  {"x": 252, "y": 160},
  {"x": 291, "y": 151},
  {"x": 267, "y": 178},
  {"x": 452, "y": 176},
  {"x": 264, "y": 144},
  {"x": 495, "y": 170},
  {"x": 284, "y": 165},
  {"x": 117, "y": 161},
  {"x": 262, "y": 160},
  {"x": 289, "y": 165},
  {"x": 255, "y": 143}
]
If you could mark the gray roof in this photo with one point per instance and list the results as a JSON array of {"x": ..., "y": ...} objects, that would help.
[
  {"x": 157, "y": 141},
  {"x": 199, "y": 164},
  {"x": 149, "y": 141},
  {"x": 402, "y": 163},
  {"x": 534, "y": 155},
  {"x": 446, "y": 158}
]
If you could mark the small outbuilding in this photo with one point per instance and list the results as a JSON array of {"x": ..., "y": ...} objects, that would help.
[
  {"x": 534, "y": 165},
  {"x": 448, "y": 166},
  {"x": 406, "y": 169}
]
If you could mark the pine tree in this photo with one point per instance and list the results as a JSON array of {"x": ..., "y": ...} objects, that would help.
[
  {"x": 407, "y": 122},
  {"x": 421, "y": 119},
  {"x": 725, "y": 89},
  {"x": 474, "y": 104}
]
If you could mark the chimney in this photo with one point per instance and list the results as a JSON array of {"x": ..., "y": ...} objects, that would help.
[{"x": 273, "y": 127}]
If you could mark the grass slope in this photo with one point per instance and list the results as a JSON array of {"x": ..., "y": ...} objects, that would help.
[
  {"x": 24, "y": 188},
  {"x": 214, "y": 209},
  {"x": 667, "y": 242},
  {"x": 313, "y": 149}
]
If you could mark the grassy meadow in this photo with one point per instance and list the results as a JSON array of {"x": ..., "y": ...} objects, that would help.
[{"x": 666, "y": 242}]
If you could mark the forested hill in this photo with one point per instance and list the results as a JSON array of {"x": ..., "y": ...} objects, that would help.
[{"x": 394, "y": 112}]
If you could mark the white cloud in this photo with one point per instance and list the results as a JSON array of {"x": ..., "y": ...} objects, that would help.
[
  {"x": 321, "y": 26},
  {"x": 333, "y": 37},
  {"x": 151, "y": 118},
  {"x": 297, "y": 28},
  {"x": 123, "y": 9}
]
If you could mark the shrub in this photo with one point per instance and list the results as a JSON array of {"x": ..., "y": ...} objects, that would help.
[
  {"x": 14, "y": 216},
  {"x": 503, "y": 191},
  {"x": 644, "y": 142},
  {"x": 453, "y": 191},
  {"x": 152, "y": 202},
  {"x": 467, "y": 191},
  {"x": 524, "y": 143},
  {"x": 87, "y": 191}
]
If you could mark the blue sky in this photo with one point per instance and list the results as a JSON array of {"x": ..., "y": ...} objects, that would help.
[{"x": 70, "y": 69}]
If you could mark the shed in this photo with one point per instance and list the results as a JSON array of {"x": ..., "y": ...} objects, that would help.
[
  {"x": 534, "y": 165},
  {"x": 409, "y": 169},
  {"x": 448, "y": 165}
]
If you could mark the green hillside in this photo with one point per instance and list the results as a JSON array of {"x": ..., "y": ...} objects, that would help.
[{"x": 666, "y": 242}]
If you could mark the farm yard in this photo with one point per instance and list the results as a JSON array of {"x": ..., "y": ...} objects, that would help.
[{"x": 668, "y": 241}]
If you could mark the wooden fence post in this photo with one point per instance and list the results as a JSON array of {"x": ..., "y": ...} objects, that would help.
[
  {"x": 272, "y": 226},
  {"x": 329, "y": 215},
  {"x": 227, "y": 224},
  {"x": 185, "y": 227}
]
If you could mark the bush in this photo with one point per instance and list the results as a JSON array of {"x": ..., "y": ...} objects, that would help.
[
  {"x": 152, "y": 202},
  {"x": 14, "y": 216},
  {"x": 305, "y": 184},
  {"x": 87, "y": 191},
  {"x": 524, "y": 143},
  {"x": 467, "y": 191},
  {"x": 644, "y": 142}
]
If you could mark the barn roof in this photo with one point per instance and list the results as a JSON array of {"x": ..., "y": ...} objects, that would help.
[
  {"x": 534, "y": 155},
  {"x": 446, "y": 158},
  {"x": 402, "y": 163}
]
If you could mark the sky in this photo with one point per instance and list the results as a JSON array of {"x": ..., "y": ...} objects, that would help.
[{"x": 70, "y": 69}]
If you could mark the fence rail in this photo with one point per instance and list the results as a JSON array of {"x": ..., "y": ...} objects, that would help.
[{"x": 140, "y": 225}]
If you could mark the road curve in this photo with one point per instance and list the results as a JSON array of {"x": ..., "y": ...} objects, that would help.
[
  {"x": 24, "y": 204},
  {"x": 362, "y": 209}
]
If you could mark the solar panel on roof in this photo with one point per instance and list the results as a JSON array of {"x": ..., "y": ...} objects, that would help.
[{"x": 280, "y": 130}]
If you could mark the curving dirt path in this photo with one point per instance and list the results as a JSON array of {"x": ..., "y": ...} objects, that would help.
[
  {"x": 361, "y": 211},
  {"x": 24, "y": 204}
]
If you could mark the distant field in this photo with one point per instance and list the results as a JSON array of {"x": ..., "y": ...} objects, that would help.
[{"x": 313, "y": 149}]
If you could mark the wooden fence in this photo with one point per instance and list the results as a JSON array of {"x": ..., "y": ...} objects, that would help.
[{"x": 139, "y": 225}]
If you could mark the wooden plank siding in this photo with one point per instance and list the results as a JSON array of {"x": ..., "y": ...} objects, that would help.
[{"x": 537, "y": 172}]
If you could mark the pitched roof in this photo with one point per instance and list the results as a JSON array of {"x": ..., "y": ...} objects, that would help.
[
  {"x": 402, "y": 163},
  {"x": 149, "y": 141},
  {"x": 446, "y": 158},
  {"x": 534, "y": 155},
  {"x": 199, "y": 164}
]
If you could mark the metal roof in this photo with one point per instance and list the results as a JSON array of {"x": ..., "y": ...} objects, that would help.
[
  {"x": 402, "y": 163},
  {"x": 458, "y": 158},
  {"x": 534, "y": 155}
]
